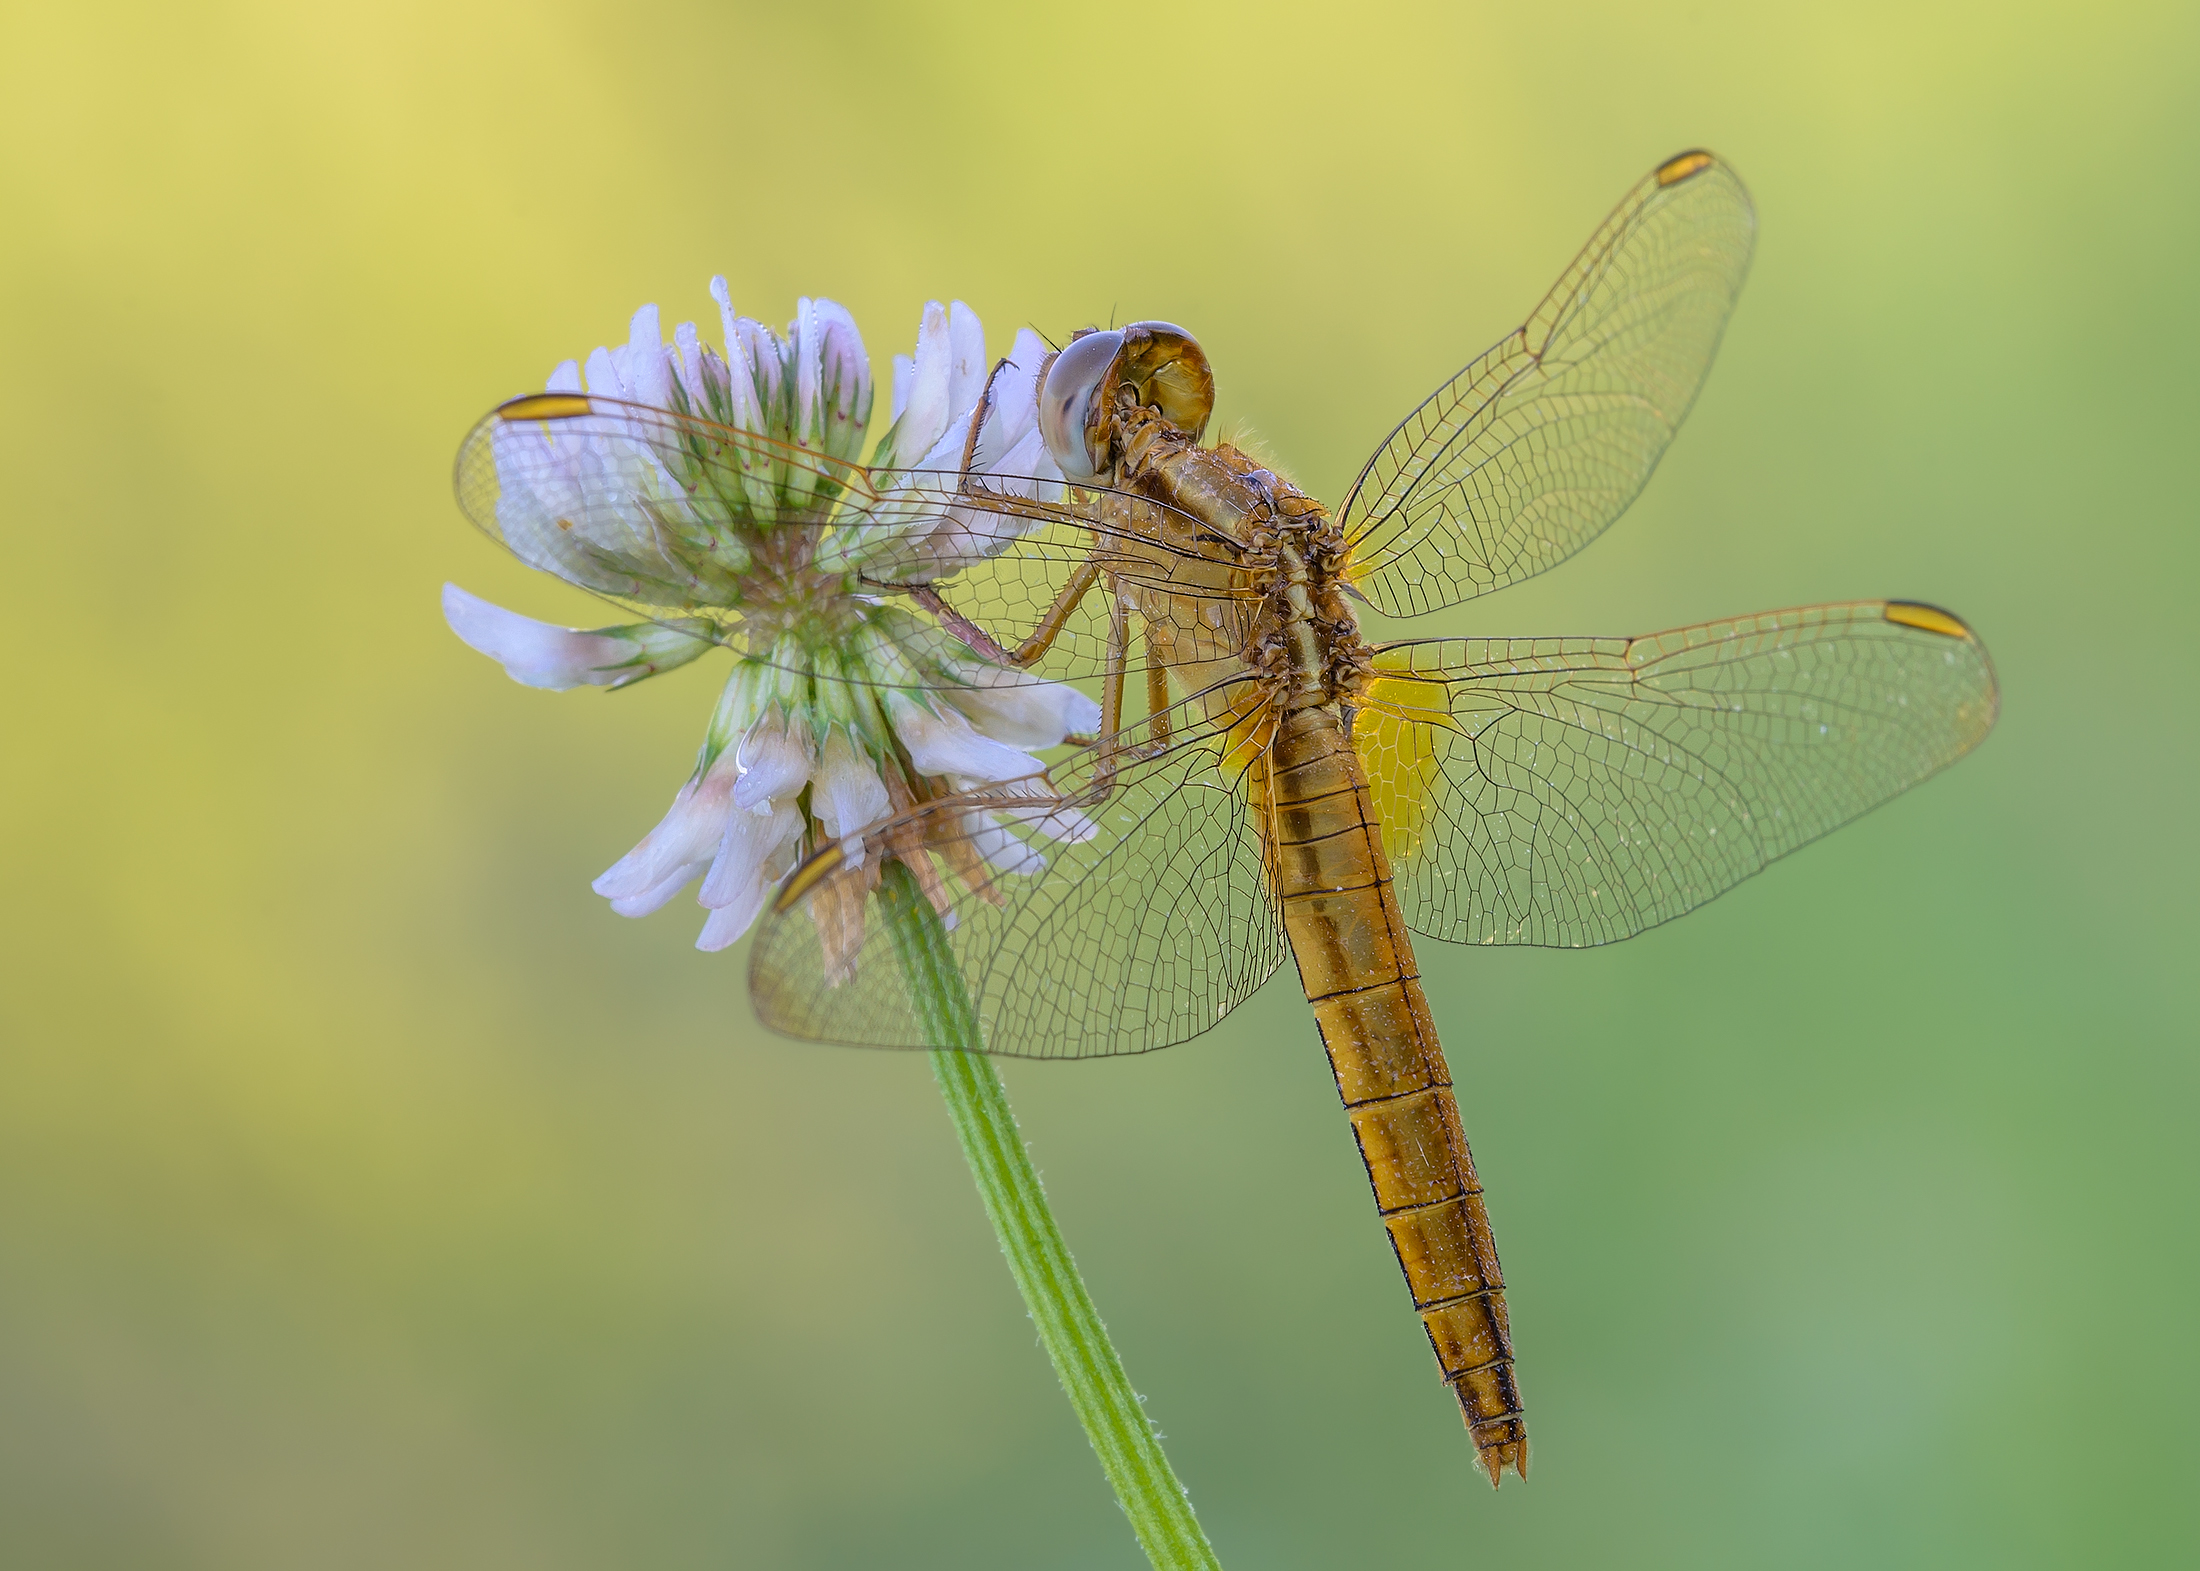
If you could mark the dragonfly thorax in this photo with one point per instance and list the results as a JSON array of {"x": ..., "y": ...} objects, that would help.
[{"x": 1228, "y": 507}]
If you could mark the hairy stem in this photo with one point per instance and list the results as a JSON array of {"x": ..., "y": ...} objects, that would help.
[{"x": 1091, "y": 1373}]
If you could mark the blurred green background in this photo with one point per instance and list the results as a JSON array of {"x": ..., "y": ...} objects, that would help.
[{"x": 370, "y": 1196}]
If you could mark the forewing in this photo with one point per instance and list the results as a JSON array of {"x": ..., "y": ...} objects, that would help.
[
  {"x": 676, "y": 517},
  {"x": 1568, "y": 792},
  {"x": 1148, "y": 920},
  {"x": 1532, "y": 450}
]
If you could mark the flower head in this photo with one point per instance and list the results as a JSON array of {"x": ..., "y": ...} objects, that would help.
[{"x": 843, "y": 707}]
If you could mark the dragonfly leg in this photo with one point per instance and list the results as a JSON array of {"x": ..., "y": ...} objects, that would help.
[
  {"x": 1058, "y": 614},
  {"x": 1111, "y": 697},
  {"x": 1157, "y": 701},
  {"x": 985, "y": 645},
  {"x": 968, "y": 632}
]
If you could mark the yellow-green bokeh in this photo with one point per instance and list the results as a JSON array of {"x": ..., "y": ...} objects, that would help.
[{"x": 369, "y": 1196}]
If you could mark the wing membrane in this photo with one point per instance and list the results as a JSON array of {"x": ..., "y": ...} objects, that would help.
[
  {"x": 1148, "y": 921},
  {"x": 676, "y": 517},
  {"x": 1568, "y": 792},
  {"x": 1532, "y": 450}
]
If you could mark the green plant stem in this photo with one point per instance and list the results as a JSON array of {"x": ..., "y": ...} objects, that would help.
[{"x": 1092, "y": 1375}]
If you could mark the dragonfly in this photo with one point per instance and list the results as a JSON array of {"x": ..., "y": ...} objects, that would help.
[{"x": 1264, "y": 781}]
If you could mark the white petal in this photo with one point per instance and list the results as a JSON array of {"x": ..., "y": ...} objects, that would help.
[
  {"x": 536, "y": 654},
  {"x": 1024, "y": 713},
  {"x": 946, "y": 454},
  {"x": 927, "y": 408},
  {"x": 849, "y": 793},
  {"x": 1012, "y": 410},
  {"x": 842, "y": 346},
  {"x": 653, "y": 899},
  {"x": 966, "y": 374},
  {"x": 846, "y": 373},
  {"x": 774, "y": 763},
  {"x": 725, "y": 925},
  {"x": 771, "y": 357},
  {"x": 565, "y": 379},
  {"x": 905, "y": 375},
  {"x": 966, "y": 370},
  {"x": 603, "y": 374},
  {"x": 809, "y": 373},
  {"x": 756, "y": 855},
  {"x": 742, "y": 373},
  {"x": 685, "y": 839},
  {"x": 1029, "y": 355},
  {"x": 946, "y": 745},
  {"x": 643, "y": 365},
  {"x": 747, "y": 845},
  {"x": 687, "y": 359}
]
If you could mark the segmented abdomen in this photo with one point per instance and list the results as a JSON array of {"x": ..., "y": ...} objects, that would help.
[{"x": 1356, "y": 963}]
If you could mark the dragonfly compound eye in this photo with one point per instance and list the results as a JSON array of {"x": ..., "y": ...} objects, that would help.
[
  {"x": 1169, "y": 372},
  {"x": 1066, "y": 402}
]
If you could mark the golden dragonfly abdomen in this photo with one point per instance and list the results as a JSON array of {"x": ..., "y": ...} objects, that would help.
[{"x": 1355, "y": 960}]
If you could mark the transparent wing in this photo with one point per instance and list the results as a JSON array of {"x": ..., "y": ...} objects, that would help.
[
  {"x": 1527, "y": 454},
  {"x": 679, "y": 518},
  {"x": 1573, "y": 791},
  {"x": 1115, "y": 905}
]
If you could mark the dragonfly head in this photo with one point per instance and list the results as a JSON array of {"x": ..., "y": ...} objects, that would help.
[{"x": 1158, "y": 363}]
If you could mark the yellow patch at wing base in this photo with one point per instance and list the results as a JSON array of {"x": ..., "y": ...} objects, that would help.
[
  {"x": 1252, "y": 724},
  {"x": 1351, "y": 570},
  {"x": 1394, "y": 732}
]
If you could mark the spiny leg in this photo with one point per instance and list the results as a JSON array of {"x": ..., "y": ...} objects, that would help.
[
  {"x": 1157, "y": 699},
  {"x": 1111, "y": 695},
  {"x": 1042, "y": 638},
  {"x": 1057, "y": 616},
  {"x": 966, "y": 632}
]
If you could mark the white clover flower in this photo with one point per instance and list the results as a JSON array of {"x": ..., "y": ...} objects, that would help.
[{"x": 843, "y": 707}]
